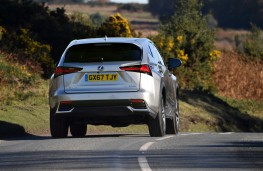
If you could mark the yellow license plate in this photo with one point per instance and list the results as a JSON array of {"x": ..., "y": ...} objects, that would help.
[{"x": 101, "y": 77}]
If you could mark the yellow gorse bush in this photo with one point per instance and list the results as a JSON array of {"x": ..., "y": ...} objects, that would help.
[
  {"x": 33, "y": 47},
  {"x": 179, "y": 39},
  {"x": 169, "y": 44},
  {"x": 182, "y": 55},
  {"x": 215, "y": 54},
  {"x": 25, "y": 71},
  {"x": 180, "y": 52},
  {"x": 28, "y": 49},
  {"x": 117, "y": 25},
  {"x": 171, "y": 47},
  {"x": 36, "y": 51},
  {"x": 15, "y": 73},
  {"x": 159, "y": 41}
]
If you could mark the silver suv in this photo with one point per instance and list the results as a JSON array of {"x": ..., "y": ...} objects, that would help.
[{"x": 113, "y": 81}]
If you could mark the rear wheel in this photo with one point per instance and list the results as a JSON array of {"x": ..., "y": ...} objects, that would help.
[
  {"x": 177, "y": 114},
  {"x": 170, "y": 129},
  {"x": 58, "y": 126},
  {"x": 157, "y": 126},
  {"x": 173, "y": 124},
  {"x": 78, "y": 130}
]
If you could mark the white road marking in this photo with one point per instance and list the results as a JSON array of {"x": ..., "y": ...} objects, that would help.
[
  {"x": 144, "y": 164},
  {"x": 226, "y": 133},
  {"x": 191, "y": 134},
  {"x": 142, "y": 160},
  {"x": 146, "y": 146},
  {"x": 164, "y": 138}
]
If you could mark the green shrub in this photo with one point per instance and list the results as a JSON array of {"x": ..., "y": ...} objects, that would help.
[
  {"x": 51, "y": 27},
  {"x": 78, "y": 17},
  {"x": 253, "y": 46},
  {"x": 97, "y": 19},
  {"x": 192, "y": 42},
  {"x": 28, "y": 49},
  {"x": 37, "y": 51}
]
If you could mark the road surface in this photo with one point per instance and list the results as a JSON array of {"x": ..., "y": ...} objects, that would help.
[{"x": 187, "y": 151}]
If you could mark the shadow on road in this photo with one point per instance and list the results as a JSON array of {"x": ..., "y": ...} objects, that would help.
[
  {"x": 31, "y": 137},
  {"x": 9, "y": 130}
]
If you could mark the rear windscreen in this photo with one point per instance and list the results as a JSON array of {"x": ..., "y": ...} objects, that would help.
[{"x": 100, "y": 52}]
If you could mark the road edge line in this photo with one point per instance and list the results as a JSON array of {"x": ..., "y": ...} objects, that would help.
[
  {"x": 146, "y": 146},
  {"x": 164, "y": 138}
]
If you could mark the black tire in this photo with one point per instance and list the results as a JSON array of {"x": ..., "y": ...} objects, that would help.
[
  {"x": 172, "y": 125},
  {"x": 58, "y": 126},
  {"x": 157, "y": 126},
  {"x": 78, "y": 130},
  {"x": 177, "y": 117}
]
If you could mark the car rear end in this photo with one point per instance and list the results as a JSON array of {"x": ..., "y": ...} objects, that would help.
[{"x": 103, "y": 82}]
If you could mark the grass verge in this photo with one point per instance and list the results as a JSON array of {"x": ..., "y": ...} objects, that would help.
[
  {"x": 29, "y": 114},
  {"x": 204, "y": 112},
  {"x": 200, "y": 112}
]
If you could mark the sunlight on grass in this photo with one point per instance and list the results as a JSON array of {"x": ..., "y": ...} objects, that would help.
[
  {"x": 132, "y": 129},
  {"x": 251, "y": 107}
]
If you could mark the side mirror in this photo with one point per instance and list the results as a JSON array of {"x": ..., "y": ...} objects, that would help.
[{"x": 174, "y": 63}]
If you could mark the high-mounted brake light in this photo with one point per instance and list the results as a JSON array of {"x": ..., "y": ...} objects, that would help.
[
  {"x": 66, "y": 70},
  {"x": 138, "y": 68}
]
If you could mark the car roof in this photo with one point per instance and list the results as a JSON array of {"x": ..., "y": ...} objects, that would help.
[{"x": 141, "y": 41}]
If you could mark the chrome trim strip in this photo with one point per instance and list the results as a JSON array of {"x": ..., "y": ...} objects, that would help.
[
  {"x": 137, "y": 110},
  {"x": 69, "y": 111}
]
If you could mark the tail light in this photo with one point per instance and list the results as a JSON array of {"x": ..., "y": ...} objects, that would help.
[
  {"x": 138, "y": 68},
  {"x": 66, "y": 70}
]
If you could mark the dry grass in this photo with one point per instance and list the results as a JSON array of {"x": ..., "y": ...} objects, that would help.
[{"x": 237, "y": 78}]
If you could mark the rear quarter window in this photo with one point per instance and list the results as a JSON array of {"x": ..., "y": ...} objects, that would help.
[{"x": 103, "y": 52}]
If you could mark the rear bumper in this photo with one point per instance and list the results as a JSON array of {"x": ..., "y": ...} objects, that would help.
[
  {"x": 105, "y": 112},
  {"x": 103, "y": 107},
  {"x": 106, "y": 100}
]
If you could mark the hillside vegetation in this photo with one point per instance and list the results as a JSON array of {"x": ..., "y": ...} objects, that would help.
[
  {"x": 24, "y": 108},
  {"x": 221, "y": 90},
  {"x": 23, "y": 101}
]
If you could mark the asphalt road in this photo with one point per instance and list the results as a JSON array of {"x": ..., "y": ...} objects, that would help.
[{"x": 187, "y": 151}]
